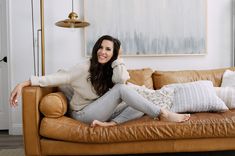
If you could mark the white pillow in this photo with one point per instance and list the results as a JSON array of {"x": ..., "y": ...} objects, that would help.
[
  {"x": 198, "y": 96},
  {"x": 228, "y": 79},
  {"x": 163, "y": 97},
  {"x": 227, "y": 94}
]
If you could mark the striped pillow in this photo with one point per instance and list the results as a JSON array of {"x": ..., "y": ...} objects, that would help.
[
  {"x": 198, "y": 96},
  {"x": 227, "y": 94}
]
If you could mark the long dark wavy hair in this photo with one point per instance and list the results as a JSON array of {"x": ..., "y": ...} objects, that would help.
[{"x": 101, "y": 74}]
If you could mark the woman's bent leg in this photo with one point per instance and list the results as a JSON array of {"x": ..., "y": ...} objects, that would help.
[
  {"x": 122, "y": 113},
  {"x": 127, "y": 114},
  {"x": 104, "y": 107}
]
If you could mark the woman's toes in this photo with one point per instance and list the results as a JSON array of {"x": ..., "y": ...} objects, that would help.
[
  {"x": 94, "y": 123},
  {"x": 186, "y": 117}
]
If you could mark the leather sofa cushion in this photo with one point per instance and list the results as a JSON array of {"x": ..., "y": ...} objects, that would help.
[
  {"x": 141, "y": 77},
  {"x": 53, "y": 105},
  {"x": 161, "y": 78},
  {"x": 200, "y": 125}
]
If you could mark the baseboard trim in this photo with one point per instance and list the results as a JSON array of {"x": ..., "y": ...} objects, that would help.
[{"x": 16, "y": 129}]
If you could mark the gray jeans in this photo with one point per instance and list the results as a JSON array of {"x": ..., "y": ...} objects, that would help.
[{"x": 108, "y": 106}]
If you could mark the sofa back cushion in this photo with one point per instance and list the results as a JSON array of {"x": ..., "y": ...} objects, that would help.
[
  {"x": 141, "y": 77},
  {"x": 161, "y": 78}
]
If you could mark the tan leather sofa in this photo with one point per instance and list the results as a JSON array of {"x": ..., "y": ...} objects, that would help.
[{"x": 48, "y": 131}]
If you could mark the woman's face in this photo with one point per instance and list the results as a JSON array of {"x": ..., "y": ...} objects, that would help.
[{"x": 105, "y": 52}]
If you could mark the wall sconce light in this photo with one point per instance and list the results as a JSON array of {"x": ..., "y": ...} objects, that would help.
[{"x": 72, "y": 22}]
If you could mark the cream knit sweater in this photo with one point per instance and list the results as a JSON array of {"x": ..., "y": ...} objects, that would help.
[{"x": 84, "y": 92}]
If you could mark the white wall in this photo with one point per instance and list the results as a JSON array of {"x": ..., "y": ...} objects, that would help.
[{"x": 64, "y": 47}]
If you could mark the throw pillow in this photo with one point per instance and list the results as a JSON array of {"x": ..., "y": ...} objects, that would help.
[
  {"x": 227, "y": 94},
  {"x": 228, "y": 79},
  {"x": 198, "y": 96},
  {"x": 163, "y": 97}
]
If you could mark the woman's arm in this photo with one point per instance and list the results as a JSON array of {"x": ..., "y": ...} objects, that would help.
[
  {"x": 120, "y": 73},
  {"x": 59, "y": 78},
  {"x": 55, "y": 79},
  {"x": 17, "y": 92}
]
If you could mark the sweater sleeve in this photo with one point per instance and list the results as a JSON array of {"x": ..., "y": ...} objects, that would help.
[
  {"x": 59, "y": 78},
  {"x": 120, "y": 73},
  {"x": 55, "y": 79}
]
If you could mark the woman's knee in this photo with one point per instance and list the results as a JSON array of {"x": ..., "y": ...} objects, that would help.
[{"x": 120, "y": 87}]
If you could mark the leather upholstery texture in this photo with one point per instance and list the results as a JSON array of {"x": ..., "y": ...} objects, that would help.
[
  {"x": 160, "y": 146},
  {"x": 161, "y": 78},
  {"x": 54, "y": 105},
  {"x": 141, "y": 77},
  {"x": 201, "y": 125}
]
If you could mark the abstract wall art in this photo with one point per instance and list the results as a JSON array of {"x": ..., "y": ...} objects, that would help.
[{"x": 149, "y": 27}]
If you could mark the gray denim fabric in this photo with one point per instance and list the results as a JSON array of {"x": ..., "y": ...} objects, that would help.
[
  {"x": 126, "y": 114},
  {"x": 108, "y": 107}
]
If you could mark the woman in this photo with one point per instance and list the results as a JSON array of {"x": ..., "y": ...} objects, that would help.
[{"x": 99, "y": 87}]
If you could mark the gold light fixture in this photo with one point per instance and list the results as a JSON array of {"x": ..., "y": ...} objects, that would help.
[{"x": 72, "y": 21}]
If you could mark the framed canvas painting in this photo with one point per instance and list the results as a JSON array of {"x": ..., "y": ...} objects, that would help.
[{"x": 148, "y": 27}]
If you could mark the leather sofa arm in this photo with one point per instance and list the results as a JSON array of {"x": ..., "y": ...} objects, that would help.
[{"x": 31, "y": 97}]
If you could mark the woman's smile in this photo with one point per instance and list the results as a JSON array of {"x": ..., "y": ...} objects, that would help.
[{"x": 105, "y": 51}]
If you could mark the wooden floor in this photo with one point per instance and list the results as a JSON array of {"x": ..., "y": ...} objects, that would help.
[
  {"x": 10, "y": 141},
  {"x": 16, "y": 141}
]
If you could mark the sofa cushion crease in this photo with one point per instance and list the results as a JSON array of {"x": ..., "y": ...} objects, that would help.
[{"x": 201, "y": 125}]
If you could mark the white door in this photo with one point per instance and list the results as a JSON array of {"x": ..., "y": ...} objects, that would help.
[{"x": 3, "y": 68}]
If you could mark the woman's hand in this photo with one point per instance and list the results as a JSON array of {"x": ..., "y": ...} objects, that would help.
[{"x": 16, "y": 93}]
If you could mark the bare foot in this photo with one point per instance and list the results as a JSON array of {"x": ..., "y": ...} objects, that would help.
[
  {"x": 104, "y": 124},
  {"x": 173, "y": 117}
]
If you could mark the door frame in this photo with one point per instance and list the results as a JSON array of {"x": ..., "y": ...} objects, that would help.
[
  {"x": 4, "y": 68},
  {"x": 13, "y": 128},
  {"x": 9, "y": 60}
]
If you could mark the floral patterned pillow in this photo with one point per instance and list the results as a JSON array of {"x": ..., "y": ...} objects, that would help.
[{"x": 162, "y": 97}]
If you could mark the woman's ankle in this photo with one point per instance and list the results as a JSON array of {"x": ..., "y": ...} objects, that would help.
[{"x": 163, "y": 112}]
